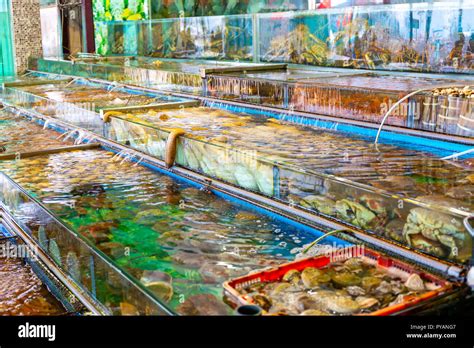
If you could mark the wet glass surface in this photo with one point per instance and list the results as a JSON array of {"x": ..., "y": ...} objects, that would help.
[
  {"x": 345, "y": 155},
  {"x": 19, "y": 135},
  {"x": 182, "y": 243},
  {"x": 337, "y": 174},
  {"x": 95, "y": 96}
]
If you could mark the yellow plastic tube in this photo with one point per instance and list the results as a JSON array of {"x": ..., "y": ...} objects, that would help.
[
  {"x": 109, "y": 114},
  {"x": 171, "y": 146}
]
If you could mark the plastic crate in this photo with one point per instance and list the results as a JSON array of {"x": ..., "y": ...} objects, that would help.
[{"x": 233, "y": 287}]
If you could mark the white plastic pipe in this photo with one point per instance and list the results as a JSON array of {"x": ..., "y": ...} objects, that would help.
[
  {"x": 456, "y": 155},
  {"x": 389, "y": 112}
]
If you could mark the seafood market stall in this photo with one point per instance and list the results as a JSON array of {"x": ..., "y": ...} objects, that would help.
[
  {"x": 187, "y": 242},
  {"x": 353, "y": 64},
  {"x": 308, "y": 163},
  {"x": 422, "y": 102},
  {"x": 184, "y": 242}
]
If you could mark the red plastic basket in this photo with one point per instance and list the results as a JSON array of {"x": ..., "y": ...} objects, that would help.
[{"x": 232, "y": 287}]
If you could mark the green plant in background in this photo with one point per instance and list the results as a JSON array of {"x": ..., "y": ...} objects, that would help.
[
  {"x": 115, "y": 10},
  {"x": 192, "y": 8},
  {"x": 98, "y": 10},
  {"x": 231, "y": 5},
  {"x": 118, "y": 10},
  {"x": 186, "y": 7},
  {"x": 101, "y": 42}
]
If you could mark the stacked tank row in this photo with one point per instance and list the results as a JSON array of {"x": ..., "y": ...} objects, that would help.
[
  {"x": 174, "y": 243},
  {"x": 334, "y": 173},
  {"x": 173, "y": 239},
  {"x": 436, "y": 103}
]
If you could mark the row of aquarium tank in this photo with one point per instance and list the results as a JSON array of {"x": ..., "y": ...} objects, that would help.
[
  {"x": 200, "y": 187},
  {"x": 435, "y": 103},
  {"x": 433, "y": 36}
]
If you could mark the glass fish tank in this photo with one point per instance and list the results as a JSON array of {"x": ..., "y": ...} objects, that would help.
[
  {"x": 401, "y": 37},
  {"x": 408, "y": 37},
  {"x": 78, "y": 67},
  {"x": 98, "y": 96},
  {"x": 268, "y": 88},
  {"x": 365, "y": 97},
  {"x": 397, "y": 191},
  {"x": 79, "y": 102},
  {"x": 30, "y": 77},
  {"x": 172, "y": 76},
  {"x": 19, "y": 135},
  {"x": 179, "y": 242},
  {"x": 106, "y": 289},
  {"x": 214, "y": 37},
  {"x": 182, "y": 75},
  {"x": 355, "y": 96}
]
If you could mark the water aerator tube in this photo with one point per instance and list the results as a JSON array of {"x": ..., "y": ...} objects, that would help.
[
  {"x": 171, "y": 146},
  {"x": 394, "y": 106},
  {"x": 317, "y": 240},
  {"x": 459, "y": 154},
  {"x": 108, "y": 115}
]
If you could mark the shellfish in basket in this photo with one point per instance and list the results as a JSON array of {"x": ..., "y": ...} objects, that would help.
[{"x": 353, "y": 286}]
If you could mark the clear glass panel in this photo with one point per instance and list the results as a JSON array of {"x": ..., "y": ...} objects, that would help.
[
  {"x": 183, "y": 75},
  {"x": 67, "y": 112},
  {"x": 80, "y": 102},
  {"x": 167, "y": 75},
  {"x": 91, "y": 270},
  {"x": 410, "y": 36},
  {"x": 7, "y": 65},
  {"x": 128, "y": 38},
  {"x": 395, "y": 190},
  {"x": 219, "y": 37},
  {"x": 178, "y": 241},
  {"x": 19, "y": 135},
  {"x": 399, "y": 37}
]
